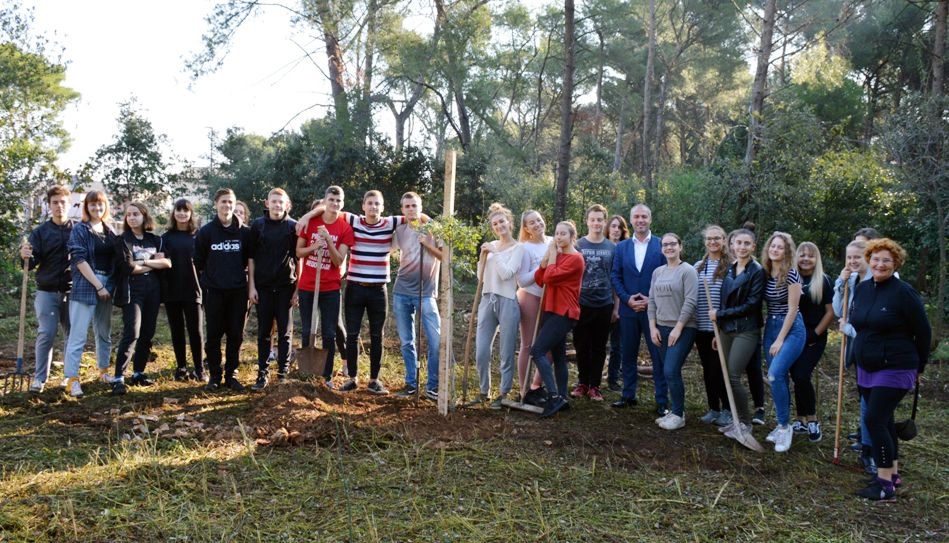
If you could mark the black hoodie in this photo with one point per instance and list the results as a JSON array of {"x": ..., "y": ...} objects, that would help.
[
  {"x": 220, "y": 254},
  {"x": 274, "y": 250}
]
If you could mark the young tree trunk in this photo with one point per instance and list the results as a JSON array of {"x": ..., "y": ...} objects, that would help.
[
  {"x": 647, "y": 96},
  {"x": 566, "y": 115},
  {"x": 758, "y": 89},
  {"x": 659, "y": 111},
  {"x": 939, "y": 47},
  {"x": 598, "y": 112},
  {"x": 618, "y": 148}
]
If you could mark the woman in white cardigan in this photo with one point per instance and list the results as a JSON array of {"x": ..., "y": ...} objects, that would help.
[
  {"x": 534, "y": 240},
  {"x": 498, "y": 308}
]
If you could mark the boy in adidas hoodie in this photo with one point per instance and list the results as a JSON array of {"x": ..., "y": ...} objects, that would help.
[{"x": 221, "y": 251}]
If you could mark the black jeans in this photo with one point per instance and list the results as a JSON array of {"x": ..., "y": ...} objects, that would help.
[
  {"x": 552, "y": 338},
  {"x": 589, "y": 338},
  {"x": 328, "y": 306},
  {"x": 616, "y": 355},
  {"x": 274, "y": 303},
  {"x": 711, "y": 371},
  {"x": 365, "y": 300},
  {"x": 139, "y": 318},
  {"x": 226, "y": 310},
  {"x": 881, "y": 404},
  {"x": 804, "y": 397},
  {"x": 756, "y": 377},
  {"x": 190, "y": 315}
]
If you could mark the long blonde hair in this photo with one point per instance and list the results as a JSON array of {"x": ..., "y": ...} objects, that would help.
[
  {"x": 524, "y": 234},
  {"x": 788, "y": 262},
  {"x": 816, "y": 289}
]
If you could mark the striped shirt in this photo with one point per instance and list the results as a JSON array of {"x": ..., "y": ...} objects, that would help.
[
  {"x": 715, "y": 289},
  {"x": 369, "y": 257},
  {"x": 777, "y": 296}
]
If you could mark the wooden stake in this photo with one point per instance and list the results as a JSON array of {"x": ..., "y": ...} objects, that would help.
[{"x": 446, "y": 362}]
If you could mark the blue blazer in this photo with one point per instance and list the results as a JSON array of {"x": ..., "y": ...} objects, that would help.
[{"x": 627, "y": 280}]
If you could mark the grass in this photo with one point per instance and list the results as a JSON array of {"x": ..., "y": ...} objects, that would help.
[{"x": 385, "y": 471}]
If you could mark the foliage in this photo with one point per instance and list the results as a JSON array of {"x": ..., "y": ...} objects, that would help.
[{"x": 133, "y": 166}]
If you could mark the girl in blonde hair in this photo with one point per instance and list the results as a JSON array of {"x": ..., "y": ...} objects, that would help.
[{"x": 498, "y": 313}]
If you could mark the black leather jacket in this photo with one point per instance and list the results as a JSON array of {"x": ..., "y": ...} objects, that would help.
[{"x": 740, "y": 305}]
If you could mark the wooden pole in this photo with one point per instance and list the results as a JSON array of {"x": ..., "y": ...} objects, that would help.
[{"x": 446, "y": 362}]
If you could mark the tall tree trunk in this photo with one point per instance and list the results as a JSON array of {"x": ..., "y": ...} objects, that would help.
[
  {"x": 337, "y": 68},
  {"x": 939, "y": 47},
  {"x": 598, "y": 112},
  {"x": 758, "y": 89},
  {"x": 362, "y": 116},
  {"x": 647, "y": 96},
  {"x": 618, "y": 148},
  {"x": 464, "y": 123},
  {"x": 659, "y": 111},
  {"x": 566, "y": 115}
]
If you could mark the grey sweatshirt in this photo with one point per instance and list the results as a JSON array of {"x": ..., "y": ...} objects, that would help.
[{"x": 673, "y": 295}]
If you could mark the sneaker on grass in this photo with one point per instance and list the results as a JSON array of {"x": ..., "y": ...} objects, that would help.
[
  {"x": 813, "y": 431},
  {"x": 579, "y": 391},
  {"x": 710, "y": 416},
  {"x": 798, "y": 427},
  {"x": 407, "y": 392},
  {"x": 758, "y": 418},
  {"x": 235, "y": 385},
  {"x": 498, "y": 404},
  {"x": 431, "y": 394},
  {"x": 262, "y": 380},
  {"x": 672, "y": 422},
  {"x": 118, "y": 388},
  {"x": 783, "y": 438},
  {"x": 105, "y": 375},
  {"x": 878, "y": 491},
  {"x": 376, "y": 387},
  {"x": 37, "y": 386},
  {"x": 594, "y": 394},
  {"x": 73, "y": 387},
  {"x": 348, "y": 386},
  {"x": 724, "y": 419}
]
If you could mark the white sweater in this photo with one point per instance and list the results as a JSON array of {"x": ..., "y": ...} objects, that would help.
[
  {"x": 530, "y": 261},
  {"x": 500, "y": 271}
]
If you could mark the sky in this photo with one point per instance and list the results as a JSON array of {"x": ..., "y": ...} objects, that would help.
[{"x": 117, "y": 50}]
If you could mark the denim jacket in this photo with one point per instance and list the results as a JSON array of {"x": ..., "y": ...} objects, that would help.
[{"x": 82, "y": 247}]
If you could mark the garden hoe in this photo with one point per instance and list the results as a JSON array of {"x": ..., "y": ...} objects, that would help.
[
  {"x": 16, "y": 380},
  {"x": 471, "y": 329},
  {"x": 734, "y": 431},
  {"x": 530, "y": 370},
  {"x": 312, "y": 360}
]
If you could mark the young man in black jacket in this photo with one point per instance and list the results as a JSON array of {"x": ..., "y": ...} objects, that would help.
[
  {"x": 272, "y": 271},
  {"x": 221, "y": 251},
  {"x": 46, "y": 251}
]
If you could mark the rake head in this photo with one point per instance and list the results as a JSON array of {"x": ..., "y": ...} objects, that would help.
[{"x": 13, "y": 381}]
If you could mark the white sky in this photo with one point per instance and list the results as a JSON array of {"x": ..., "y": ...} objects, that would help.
[{"x": 117, "y": 49}]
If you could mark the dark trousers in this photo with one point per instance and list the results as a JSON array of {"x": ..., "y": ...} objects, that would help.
[
  {"x": 362, "y": 300},
  {"x": 328, "y": 306},
  {"x": 139, "y": 318},
  {"x": 881, "y": 404},
  {"x": 190, "y": 316},
  {"x": 615, "y": 367},
  {"x": 274, "y": 304},
  {"x": 552, "y": 338},
  {"x": 711, "y": 371},
  {"x": 589, "y": 338},
  {"x": 632, "y": 330},
  {"x": 804, "y": 397},
  {"x": 226, "y": 310},
  {"x": 756, "y": 377}
]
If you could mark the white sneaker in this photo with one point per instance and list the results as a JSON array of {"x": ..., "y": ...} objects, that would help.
[
  {"x": 105, "y": 375},
  {"x": 672, "y": 422},
  {"x": 662, "y": 418},
  {"x": 72, "y": 386},
  {"x": 782, "y": 441},
  {"x": 37, "y": 386},
  {"x": 773, "y": 435}
]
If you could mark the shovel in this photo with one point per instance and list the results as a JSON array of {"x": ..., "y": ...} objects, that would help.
[
  {"x": 734, "y": 431},
  {"x": 16, "y": 380},
  {"x": 471, "y": 329},
  {"x": 311, "y": 360},
  {"x": 530, "y": 369}
]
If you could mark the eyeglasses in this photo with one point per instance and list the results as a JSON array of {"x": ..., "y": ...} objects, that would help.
[
  {"x": 671, "y": 244},
  {"x": 876, "y": 260}
]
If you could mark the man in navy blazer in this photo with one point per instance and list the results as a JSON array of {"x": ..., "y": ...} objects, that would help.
[{"x": 633, "y": 264}]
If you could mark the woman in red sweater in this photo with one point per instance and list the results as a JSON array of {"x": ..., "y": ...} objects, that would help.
[{"x": 560, "y": 273}]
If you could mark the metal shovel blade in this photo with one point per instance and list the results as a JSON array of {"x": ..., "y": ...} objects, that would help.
[
  {"x": 311, "y": 361},
  {"x": 745, "y": 438}
]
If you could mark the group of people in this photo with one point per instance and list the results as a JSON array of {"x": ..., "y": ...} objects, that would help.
[{"x": 609, "y": 288}]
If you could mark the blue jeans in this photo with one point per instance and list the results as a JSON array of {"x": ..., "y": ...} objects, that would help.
[
  {"x": 632, "y": 329},
  {"x": 780, "y": 365},
  {"x": 406, "y": 307},
  {"x": 80, "y": 316},
  {"x": 552, "y": 338},
  {"x": 51, "y": 311},
  {"x": 672, "y": 360}
]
